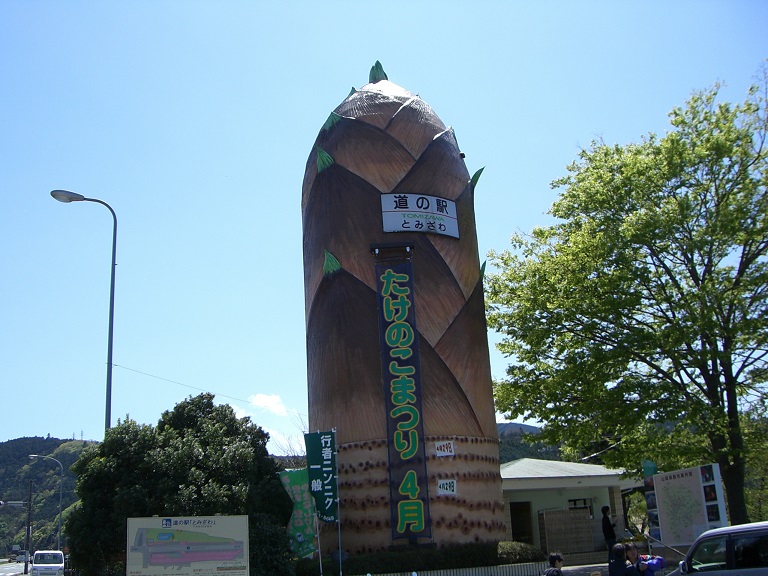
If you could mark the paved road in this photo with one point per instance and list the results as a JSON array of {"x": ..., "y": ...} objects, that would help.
[{"x": 11, "y": 568}]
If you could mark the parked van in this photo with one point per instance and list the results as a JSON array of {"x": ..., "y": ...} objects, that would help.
[
  {"x": 729, "y": 551},
  {"x": 48, "y": 563}
]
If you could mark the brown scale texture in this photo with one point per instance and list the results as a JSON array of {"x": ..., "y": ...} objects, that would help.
[{"x": 383, "y": 139}]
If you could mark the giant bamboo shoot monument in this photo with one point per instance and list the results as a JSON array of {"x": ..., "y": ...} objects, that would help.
[{"x": 397, "y": 351}]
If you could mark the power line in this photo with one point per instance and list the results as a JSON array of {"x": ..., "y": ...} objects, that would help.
[
  {"x": 195, "y": 388},
  {"x": 611, "y": 447}
]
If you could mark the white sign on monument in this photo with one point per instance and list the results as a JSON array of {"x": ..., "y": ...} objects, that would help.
[{"x": 419, "y": 213}]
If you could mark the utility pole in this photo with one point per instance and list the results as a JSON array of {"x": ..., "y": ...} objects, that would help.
[{"x": 29, "y": 528}]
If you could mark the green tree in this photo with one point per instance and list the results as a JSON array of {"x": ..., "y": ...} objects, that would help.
[
  {"x": 639, "y": 320},
  {"x": 755, "y": 425},
  {"x": 17, "y": 470},
  {"x": 200, "y": 460}
]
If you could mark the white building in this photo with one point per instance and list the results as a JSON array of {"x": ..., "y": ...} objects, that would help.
[{"x": 556, "y": 505}]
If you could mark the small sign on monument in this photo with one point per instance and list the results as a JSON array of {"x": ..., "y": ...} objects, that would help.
[
  {"x": 447, "y": 487},
  {"x": 419, "y": 213},
  {"x": 444, "y": 448}
]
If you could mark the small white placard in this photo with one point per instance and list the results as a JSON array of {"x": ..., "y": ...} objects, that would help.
[
  {"x": 419, "y": 213},
  {"x": 447, "y": 486},
  {"x": 444, "y": 448}
]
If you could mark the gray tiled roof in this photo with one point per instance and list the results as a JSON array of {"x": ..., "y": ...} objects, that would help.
[
  {"x": 533, "y": 468},
  {"x": 533, "y": 474}
]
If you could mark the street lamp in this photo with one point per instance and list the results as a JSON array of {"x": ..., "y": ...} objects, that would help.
[
  {"x": 66, "y": 196},
  {"x": 61, "y": 482}
]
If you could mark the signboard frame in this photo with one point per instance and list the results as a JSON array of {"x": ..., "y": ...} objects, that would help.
[
  {"x": 187, "y": 546},
  {"x": 684, "y": 503}
]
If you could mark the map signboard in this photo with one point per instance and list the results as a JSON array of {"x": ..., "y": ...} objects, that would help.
[
  {"x": 187, "y": 545},
  {"x": 687, "y": 503}
]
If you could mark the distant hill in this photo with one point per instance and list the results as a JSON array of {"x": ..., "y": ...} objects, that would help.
[
  {"x": 19, "y": 473},
  {"x": 513, "y": 446},
  {"x": 505, "y": 428}
]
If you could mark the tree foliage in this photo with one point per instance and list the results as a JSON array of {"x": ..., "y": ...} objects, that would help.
[
  {"x": 755, "y": 426},
  {"x": 639, "y": 320},
  {"x": 16, "y": 473},
  {"x": 200, "y": 460}
]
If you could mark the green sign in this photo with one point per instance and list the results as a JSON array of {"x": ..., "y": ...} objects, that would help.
[
  {"x": 301, "y": 527},
  {"x": 321, "y": 466},
  {"x": 401, "y": 373}
]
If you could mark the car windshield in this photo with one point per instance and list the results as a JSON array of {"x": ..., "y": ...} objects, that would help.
[
  {"x": 709, "y": 555},
  {"x": 49, "y": 558}
]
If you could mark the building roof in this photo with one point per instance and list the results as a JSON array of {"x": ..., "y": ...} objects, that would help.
[{"x": 533, "y": 474}]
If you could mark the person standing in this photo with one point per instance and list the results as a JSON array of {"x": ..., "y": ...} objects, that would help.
[
  {"x": 555, "y": 565},
  {"x": 609, "y": 534}
]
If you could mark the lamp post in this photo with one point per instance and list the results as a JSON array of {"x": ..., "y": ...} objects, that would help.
[
  {"x": 61, "y": 482},
  {"x": 67, "y": 197},
  {"x": 29, "y": 529}
]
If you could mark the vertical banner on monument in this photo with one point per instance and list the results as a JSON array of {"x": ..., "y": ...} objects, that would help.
[
  {"x": 301, "y": 527},
  {"x": 401, "y": 374},
  {"x": 321, "y": 467}
]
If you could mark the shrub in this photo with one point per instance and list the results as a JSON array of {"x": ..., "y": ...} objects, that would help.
[
  {"x": 269, "y": 547},
  {"x": 408, "y": 560},
  {"x": 519, "y": 552}
]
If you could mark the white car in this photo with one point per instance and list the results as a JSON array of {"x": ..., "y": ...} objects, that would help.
[
  {"x": 48, "y": 563},
  {"x": 740, "y": 550}
]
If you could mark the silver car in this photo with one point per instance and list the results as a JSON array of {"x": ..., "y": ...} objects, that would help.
[{"x": 732, "y": 550}]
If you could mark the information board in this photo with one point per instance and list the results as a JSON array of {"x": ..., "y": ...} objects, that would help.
[
  {"x": 688, "y": 502},
  {"x": 187, "y": 545}
]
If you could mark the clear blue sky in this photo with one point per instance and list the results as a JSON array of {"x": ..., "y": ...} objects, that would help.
[{"x": 194, "y": 121}]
